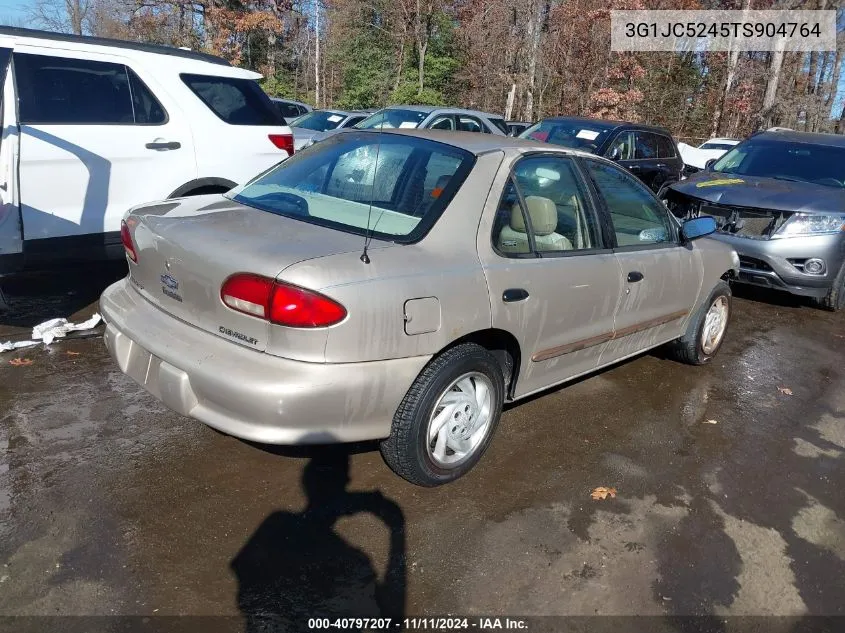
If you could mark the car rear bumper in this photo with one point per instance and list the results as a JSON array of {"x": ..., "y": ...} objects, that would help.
[
  {"x": 250, "y": 394},
  {"x": 772, "y": 263}
]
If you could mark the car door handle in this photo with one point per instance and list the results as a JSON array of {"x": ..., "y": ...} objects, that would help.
[
  {"x": 512, "y": 295},
  {"x": 163, "y": 145},
  {"x": 661, "y": 164},
  {"x": 634, "y": 167},
  {"x": 635, "y": 276}
]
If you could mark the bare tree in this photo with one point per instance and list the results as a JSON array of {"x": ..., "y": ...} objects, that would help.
[{"x": 68, "y": 16}]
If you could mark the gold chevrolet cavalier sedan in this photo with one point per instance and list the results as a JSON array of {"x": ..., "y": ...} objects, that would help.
[{"x": 401, "y": 286}]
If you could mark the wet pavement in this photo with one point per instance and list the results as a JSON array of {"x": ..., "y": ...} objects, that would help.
[{"x": 729, "y": 481}]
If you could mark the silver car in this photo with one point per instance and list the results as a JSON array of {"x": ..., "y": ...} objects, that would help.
[
  {"x": 424, "y": 117},
  {"x": 313, "y": 124},
  {"x": 779, "y": 200},
  {"x": 402, "y": 286}
]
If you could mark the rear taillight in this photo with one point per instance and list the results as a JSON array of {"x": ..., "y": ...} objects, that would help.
[
  {"x": 280, "y": 303},
  {"x": 283, "y": 141},
  {"x": 126, "y": 238}
]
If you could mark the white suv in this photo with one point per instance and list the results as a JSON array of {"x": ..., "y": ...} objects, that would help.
[{"x": 92, "y": 127}]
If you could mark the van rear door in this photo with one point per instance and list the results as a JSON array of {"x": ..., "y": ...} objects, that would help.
[{"x": 11, "y": 227}]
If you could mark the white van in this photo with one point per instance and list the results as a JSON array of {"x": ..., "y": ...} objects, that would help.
[{"x": 92, "y": 127}]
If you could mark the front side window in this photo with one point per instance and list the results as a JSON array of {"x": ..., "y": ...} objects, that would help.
[
  {"x": 396, "y": 187},
  {"x": 443, "y": 123},
  {"x": 391, "y": 119},
  {"x": 645, "y": 145},
  {"x": 639, "y": 219},
  {"x": 235, "y": 101},
  {"x": 622, "y": 147},
  {"x": 555, "y": 205}
]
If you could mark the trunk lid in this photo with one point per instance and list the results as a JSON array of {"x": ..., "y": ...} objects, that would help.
[{"x": 187, "y": 248}]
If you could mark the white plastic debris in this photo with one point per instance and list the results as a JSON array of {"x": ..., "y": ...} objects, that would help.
[
  {"x": 8, "y": 345},
  {"x": 49, "y": 331}
]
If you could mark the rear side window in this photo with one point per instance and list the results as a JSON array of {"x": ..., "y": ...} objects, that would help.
[
  {"x": 665, "y": 147},
  {"x": 469, "y": 124},
  {"x": 396, "y": 185},
  {"x": 645, "y": 145},
  {"x": 500, "y": 123},
  {"x": 60, "y": 90},
  {"x": 288, "y": 110},
  {"x": 235, "y": 101}
]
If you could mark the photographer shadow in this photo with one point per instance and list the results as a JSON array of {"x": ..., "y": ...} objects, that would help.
[{"x": 296, "y": 567}]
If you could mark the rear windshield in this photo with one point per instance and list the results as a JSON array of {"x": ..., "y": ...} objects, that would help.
[
  {"x": 319, "y": 121},
  {"x": 575, "y": 134},
  {"x": 396, "y": 185},
  {"x": 392, "y": 119},
  {"x": 724, "y": 146},
  {"x": 236, "y": 101},
  {"x": 784, "y": 160}
]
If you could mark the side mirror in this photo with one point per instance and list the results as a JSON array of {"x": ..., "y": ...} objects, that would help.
[
  {"x": 614, "y": 154},
  {"x": 698, "y": 227},
  {"x": 708, "y": 166}
]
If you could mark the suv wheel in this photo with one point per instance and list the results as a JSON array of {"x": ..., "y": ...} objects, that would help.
[
  {"x": 835, "y": 298},
  {"x": 447, "y": 419}
]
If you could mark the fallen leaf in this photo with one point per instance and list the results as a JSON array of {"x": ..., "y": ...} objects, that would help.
[
  {"x": 17, "y": 362},
  {"x": 785, "y": 391},
  {"x": 711, "y": 422},
  {"x": 603, "y": 493},
  {"x": 69, "y": 353}
]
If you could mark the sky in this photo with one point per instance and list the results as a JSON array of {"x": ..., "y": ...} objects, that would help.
[{"x": 12, "y": 11}]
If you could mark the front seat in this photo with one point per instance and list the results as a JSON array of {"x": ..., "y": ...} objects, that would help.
[{"x": 543, "y": 214}]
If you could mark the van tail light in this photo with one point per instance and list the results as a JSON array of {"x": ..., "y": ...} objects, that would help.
[
  {"x": 126, "y": 238},
  {"x": 283, "y": 141},
  {"x": 280, "y": 303}
]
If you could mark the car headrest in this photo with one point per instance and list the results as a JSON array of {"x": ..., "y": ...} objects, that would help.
[{"x": 543, "y": 216}]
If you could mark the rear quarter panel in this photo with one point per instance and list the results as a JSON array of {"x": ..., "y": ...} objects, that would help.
[{"x": 444, "y": 265}]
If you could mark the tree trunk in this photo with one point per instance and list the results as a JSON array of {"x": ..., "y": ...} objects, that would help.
[
  {"x": 398, "y": 79},
  {"x": 534, "y": 32},
  {"x": 316, "y": 54},
  {"x": 509, "y": 105},
  {"x": 772, "y": 85},
  {"x": 76, "y": 15}
]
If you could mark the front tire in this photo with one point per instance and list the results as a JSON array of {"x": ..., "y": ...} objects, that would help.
[
  {"x": 835, "y": 298},
  {"x": 706, "y": 330},
  {"x": 448, "y": 417}
]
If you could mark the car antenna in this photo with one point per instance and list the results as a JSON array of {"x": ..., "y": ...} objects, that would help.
[{"x": 368, "y": 237}]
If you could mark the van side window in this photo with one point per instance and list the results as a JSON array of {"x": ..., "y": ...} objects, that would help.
[{"x": 61, "y": 90}]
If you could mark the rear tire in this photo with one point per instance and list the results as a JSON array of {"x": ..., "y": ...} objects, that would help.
[
  {"x": 706, "y": 330},
  {"x": 835, "y": 298},
  {"x": 448, "y": 417}
]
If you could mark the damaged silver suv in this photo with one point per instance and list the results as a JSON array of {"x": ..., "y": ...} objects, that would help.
[{"x": 779, "y": 199}]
